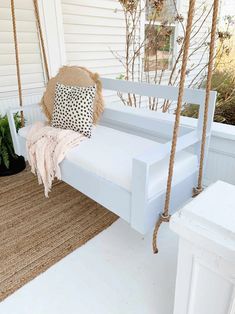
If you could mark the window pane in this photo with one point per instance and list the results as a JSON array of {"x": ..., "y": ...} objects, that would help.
[
  {"x": 161, "y": 10},
  {"x": 158, "y": 47}
]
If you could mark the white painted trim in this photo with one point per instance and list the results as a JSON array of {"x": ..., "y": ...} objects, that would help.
[
  {"x": 161, "y": 91},
  {"x": 143, "y": 22},
  {"x": 60, "y": 29},
  {"x": 52, "y": 22}
]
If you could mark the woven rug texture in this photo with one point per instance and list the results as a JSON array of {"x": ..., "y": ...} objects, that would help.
[{"x": 36, "y": 232}]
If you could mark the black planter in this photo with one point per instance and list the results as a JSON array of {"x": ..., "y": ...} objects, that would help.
[{"x": 16, "y": 165}]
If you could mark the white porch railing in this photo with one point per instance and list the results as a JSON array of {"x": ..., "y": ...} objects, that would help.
[{"x": 205, "y": 281}]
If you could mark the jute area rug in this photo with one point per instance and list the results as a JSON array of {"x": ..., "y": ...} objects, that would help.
[{"x": 36, "y": 232}]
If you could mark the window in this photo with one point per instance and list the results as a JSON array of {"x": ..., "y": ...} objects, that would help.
[{"x": 159, "y": 35}]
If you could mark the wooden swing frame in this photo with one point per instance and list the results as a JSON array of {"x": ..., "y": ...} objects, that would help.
[{"x": 198, "y": 138}]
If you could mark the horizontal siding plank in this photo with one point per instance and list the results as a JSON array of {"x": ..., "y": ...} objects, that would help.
[
  {"x": 107, "y": 4},
  {"x": 89, "y": 11},
  {"x": 6, "y": 37},
  {"x": 9, "y": 48},
  {"x": 22, "y": 26},
  {"x": 22, "y": 15},
  {"x": 97, "y": 63},
  {"x": 86, "y": 38},
  {"x": 93, "y": 47},
  {"x": 93, "y": 55},
  {"x": 14, "y": 88},
  {"x": 92, "y": 20},
  {"x": 26, "y": 79},
  {"x": 24, "y": 68},
  {"x": 24, "y": 59},
  {"x": 92, "y": 30},
  {"x": 113, "y": 71},
  {"x": 19, "y": 4}
]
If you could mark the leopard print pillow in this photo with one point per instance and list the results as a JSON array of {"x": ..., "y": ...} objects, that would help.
[{"x": 73, "y": 108}]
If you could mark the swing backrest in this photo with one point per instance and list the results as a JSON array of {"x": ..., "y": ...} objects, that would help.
[{"x": 191, "y": 96}]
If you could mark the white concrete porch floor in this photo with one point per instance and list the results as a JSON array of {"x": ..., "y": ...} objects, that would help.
[{"x": 114, "y": 273}]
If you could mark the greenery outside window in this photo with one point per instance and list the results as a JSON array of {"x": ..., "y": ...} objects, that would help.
[{"x": 159, "y": 35}]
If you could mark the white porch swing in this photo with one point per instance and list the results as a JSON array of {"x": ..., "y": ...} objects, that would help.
[{"x": 124, "y": 167}]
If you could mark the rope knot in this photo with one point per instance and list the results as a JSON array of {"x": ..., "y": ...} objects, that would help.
[
  {"x": 165, "y": 217},
  {"x": 197, "y": 191}
]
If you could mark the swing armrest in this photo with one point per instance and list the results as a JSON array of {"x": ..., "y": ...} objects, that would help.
[
  {"x": 14, "y": 135},
  {"x": 152, "y": 157},
  {"x": 31, "y": 111}
]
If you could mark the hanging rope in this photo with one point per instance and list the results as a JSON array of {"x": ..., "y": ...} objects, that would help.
[
  {"x": 36, "y": 10},
  {"x": 199, "y": 187},
  {"x": 17, "y": 60},
  {"x": 165, "y": 216}
]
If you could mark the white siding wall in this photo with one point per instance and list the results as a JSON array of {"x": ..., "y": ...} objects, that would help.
[
  {"x": 92, "y": 30},
  {"x": 30, "y": 59}
]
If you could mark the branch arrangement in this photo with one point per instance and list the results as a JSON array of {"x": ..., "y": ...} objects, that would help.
[{"x": 153, "y": 55}]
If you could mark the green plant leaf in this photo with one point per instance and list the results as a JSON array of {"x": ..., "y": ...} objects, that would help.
[
  {"x": 6, "y": 144},
  {"x": 5, "y": 157},
  {"x": 223, "y": 82}
]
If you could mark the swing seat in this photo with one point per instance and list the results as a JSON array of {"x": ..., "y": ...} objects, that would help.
[
  {"x": 124, "y": 166},
  {"x": 109, "y": 154}
]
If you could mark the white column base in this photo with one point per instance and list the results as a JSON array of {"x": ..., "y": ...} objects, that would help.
[{"x": 205, "y": 281}]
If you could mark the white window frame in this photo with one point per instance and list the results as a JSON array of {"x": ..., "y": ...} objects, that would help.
[{"x": 158, "y": 23}]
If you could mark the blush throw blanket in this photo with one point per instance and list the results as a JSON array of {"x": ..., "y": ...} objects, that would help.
[{"x": 46, "y": 148}]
